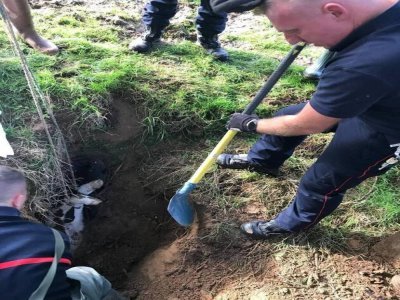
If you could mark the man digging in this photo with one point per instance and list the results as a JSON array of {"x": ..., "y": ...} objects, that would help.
[{"x": 358, "y": 98}]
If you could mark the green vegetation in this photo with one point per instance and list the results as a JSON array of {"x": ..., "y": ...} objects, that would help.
[
  {"x": 385, "y": 199},
  {"x": 177, "y": 82}
]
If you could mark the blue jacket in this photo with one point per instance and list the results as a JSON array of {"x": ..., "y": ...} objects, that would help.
[{"x": 26, "y": 253}]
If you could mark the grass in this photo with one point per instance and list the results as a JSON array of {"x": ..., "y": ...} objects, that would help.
[
  {"x": 184, "y": 93},
  {"x": 178, "y": 82},
  {"x": 384, "y": 202}
]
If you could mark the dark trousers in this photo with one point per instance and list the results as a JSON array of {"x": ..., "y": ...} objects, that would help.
[
  {"x": 157, "y": 14},
  {"x": 355, "y": 153}
]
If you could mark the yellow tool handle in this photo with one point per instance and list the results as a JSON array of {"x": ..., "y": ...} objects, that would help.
[{"x": 212, "y": 157}]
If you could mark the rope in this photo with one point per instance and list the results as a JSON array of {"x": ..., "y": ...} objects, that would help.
[{"x": 38, "y": 97}]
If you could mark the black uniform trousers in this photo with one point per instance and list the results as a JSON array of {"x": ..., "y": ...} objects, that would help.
[
  {"x": 355, "y": 153},
  {"x": 157, "y": 14}
]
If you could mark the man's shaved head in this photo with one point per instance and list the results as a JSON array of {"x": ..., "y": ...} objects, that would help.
[
  {"x": 321, "y": 22},
  {"x": 12, "y": 184}
]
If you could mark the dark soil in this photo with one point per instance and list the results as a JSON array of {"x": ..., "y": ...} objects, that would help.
[{"x": 132, "y": 221}]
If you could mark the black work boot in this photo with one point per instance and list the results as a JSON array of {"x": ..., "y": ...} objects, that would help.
[
  {"x": 240, "y": 162},
  {"x": 262, "y": 229},
  {"x": 213, "y": 47},
  {"x": 147, "y": 41}
]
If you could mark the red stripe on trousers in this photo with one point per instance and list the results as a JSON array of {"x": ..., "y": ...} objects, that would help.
[
  {"x": 338, "y": 188},
  {"x": 29, "y": 261}
]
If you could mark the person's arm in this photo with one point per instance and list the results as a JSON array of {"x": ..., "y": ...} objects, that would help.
[{"x": 307, "y": 121}]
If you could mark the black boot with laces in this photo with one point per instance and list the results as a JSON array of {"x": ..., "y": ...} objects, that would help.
[
  {"x": 213, "y": 47},
  {"x": 146, "y": 43},
  {"x": 241, "y": 162},
  {"x": 263, "y": 229}
]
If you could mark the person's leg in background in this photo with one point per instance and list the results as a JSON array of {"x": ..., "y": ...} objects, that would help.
[
  {"x": 20, "y": 15},
  {"x": 209, "y": 25},
  {"x": 315, "y": 70},
  {"x": 156, "y": 16}
]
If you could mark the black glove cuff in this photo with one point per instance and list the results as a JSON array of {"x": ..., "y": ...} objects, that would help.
[{"x": 252, "y": 125}]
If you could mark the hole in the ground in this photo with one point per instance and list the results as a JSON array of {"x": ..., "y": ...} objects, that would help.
[
  {"x": 133, "y": 220},
  {"x": 129, "y": 224}
]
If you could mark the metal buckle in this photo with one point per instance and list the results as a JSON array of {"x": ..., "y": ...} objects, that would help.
[{"x": 397, "y": 153}]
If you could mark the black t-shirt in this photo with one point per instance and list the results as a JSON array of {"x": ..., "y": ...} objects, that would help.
[{"x": 363, "y": 79}]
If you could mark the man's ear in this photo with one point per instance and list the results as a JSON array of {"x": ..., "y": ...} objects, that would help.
[
  {"x": 335, "y": 9},
  {"x": 18, "y": 201}
]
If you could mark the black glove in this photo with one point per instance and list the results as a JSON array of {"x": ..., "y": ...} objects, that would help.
[{"x": 243, "y": 122}]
